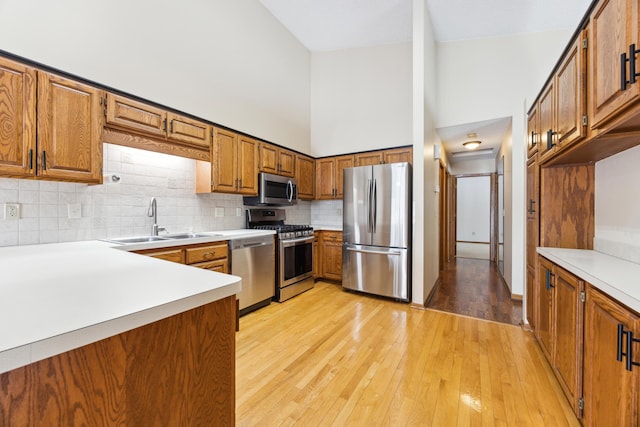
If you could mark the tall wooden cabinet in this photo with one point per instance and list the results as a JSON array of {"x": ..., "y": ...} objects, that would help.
[
  {"x": 533, "y": 239},
  {"x": 610, "y": 389}
]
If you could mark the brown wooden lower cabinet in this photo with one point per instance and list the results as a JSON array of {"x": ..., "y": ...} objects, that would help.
[
  {"x": 176, "y": 371},
  {"x": 610, "y": 390},
  {"x": 211, "y": 256},
  {"x": 586, "y": 337},
  {"x": 330, "y": 255}
]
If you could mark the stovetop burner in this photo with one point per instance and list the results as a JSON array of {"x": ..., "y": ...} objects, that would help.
[{"x": 273, "y": 219}]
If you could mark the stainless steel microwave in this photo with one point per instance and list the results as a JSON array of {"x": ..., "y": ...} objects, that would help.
[{"x": 274, "y": 190}]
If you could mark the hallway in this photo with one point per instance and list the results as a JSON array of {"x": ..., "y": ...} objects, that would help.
[{"x": 474, "y": 287}]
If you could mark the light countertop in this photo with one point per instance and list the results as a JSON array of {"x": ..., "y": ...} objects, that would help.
[
  {"x": 57, "y": 297},
  {"x": 321, "y": 227},
  {"x": 614, "y": 276}
]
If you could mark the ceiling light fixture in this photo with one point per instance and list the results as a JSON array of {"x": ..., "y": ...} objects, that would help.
[{"x": 471, "y": 145}]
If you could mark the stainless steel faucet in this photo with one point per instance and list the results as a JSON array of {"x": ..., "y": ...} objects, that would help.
[{"x": 153, "y": 212}]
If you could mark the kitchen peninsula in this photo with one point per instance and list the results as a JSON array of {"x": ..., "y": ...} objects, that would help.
[{"x": 98, "y": 336}]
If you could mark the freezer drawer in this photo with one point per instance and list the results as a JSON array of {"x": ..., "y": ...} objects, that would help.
[{"x": 376, "y": 270}]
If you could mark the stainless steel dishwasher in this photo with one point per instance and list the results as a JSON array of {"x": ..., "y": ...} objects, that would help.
[{"x": 253, "y": 259}]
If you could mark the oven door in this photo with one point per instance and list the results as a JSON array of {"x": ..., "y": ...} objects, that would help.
[{"x": 296, "y": 260}]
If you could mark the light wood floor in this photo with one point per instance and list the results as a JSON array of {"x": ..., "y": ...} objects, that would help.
[{"x": 334, "y": 358}]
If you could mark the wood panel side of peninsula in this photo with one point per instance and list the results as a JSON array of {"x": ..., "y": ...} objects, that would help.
[{"x": 176, "y": 371}]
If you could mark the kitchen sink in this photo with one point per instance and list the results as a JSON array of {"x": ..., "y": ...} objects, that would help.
[
  {"x": 187, "y": 236},
  {"x": 143, "y": 239}
]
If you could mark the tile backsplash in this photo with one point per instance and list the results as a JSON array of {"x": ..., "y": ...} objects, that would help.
[
  {"x": 117, "y": 209},
  {"x": 327, "y": 213}
]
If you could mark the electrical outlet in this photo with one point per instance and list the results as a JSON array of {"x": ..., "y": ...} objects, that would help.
[
  {"x": 74, "y": 210},
  {"x": 238, "y": 211},
  {"x": 11, "y": 211}
]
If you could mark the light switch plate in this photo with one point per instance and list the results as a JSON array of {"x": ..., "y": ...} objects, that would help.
[
  {"x": 219, "y": 212},
  {"x": 12, "y": 211},
  {"x": 74, "y": 210},
  {"x": 238, "y": 211}
]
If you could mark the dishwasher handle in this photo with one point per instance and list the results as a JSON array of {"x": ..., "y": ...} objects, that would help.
[{"x": 249, "y": 243}]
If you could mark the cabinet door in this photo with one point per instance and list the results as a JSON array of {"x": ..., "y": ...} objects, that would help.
[
  {"x": 342, "y": 162},
  {"x": 224, "y": 162},
  {"x": 268, "y": 158},
  {"x": 247, "y": 165},
  {"x": 305, "y": 173},
  {"x": 568, "y": 321},
  {"x": 325, "y": 178},
  {"x": 317, "y": 254},
  {"x": 398, "y": 155},
  {"x": 533, "y": 134},
  {"x": 136, "y": 116},
  {"x": 188, "y": 131},
  {"x": 613, "y": 28},
  {"x": 544, "y": 330},
  {"x": 610, "y": 391},
  {"x": 570, "y": 96},
  {"x": 366, "y": 159},
  {"x": 533, "y": 200},
  {"x": 287, "y": 163},
  {"x": 547, "y": 122},
  {"x": 332, "y": 255},
  {"x": 70, "y": 122},
  {"x": 17, "y": 119},
  {"x": 532, "y": 298}
]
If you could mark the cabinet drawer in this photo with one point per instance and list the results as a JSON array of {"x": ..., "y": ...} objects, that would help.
[
  {"x": 332, "y": 236},
  {"x": 174, "y": 255},
  {"x": 220, "y": 265},
  {"x": 206, "y": 253}
]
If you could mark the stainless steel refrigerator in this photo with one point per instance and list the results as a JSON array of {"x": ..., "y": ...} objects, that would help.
[{"x": 376, "y": 255}]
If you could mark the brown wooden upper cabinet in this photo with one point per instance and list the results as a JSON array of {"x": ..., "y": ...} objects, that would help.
[
  {"x": 398, "y": 155},
  {"x": 51, "y": 126},
  {"x": 329, "y": 176},
  {"x": 562, "y": 105},
  {"x": 17, "y": 119},
  {"x": 613, "y": 61},
  {"x": 305, "y": 174},
  {"x": 370, "y": 158},
  {"x": 533, "y": 131},
  {"x": 394, "y": 155},
  {"x": 147, "y": 120},
  {"x": 233, "y": 167},
  {"x": 277, "y": 160}
]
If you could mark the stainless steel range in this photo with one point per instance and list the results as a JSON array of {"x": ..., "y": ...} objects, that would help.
[{"x": 294, "y": 253}]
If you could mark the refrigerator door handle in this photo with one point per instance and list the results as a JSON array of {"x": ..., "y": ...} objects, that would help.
[
  {"x": 374, "y": 204},
  {"x": 369, "y": 222},
  {"x": 364, "y": 251}
]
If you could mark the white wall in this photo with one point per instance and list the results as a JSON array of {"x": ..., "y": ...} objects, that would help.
[
  {"x": 230, "y": 62},
  {"x": 425, "y": 169},
  {"x": 617, "y": 207},
  {"x": 473, "y": 206},
  {"x": 473, "y": 166},
  {"x": 514, "y": 247},
  {"x": 360, "y": 99},
  {"x": 488, "y": 78}
]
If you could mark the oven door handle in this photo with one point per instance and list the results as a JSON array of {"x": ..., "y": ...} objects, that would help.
[{"x": 291, "y": 242}]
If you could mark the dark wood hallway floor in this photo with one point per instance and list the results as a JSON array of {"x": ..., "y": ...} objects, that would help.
[{"x": 473, "y": 287}]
